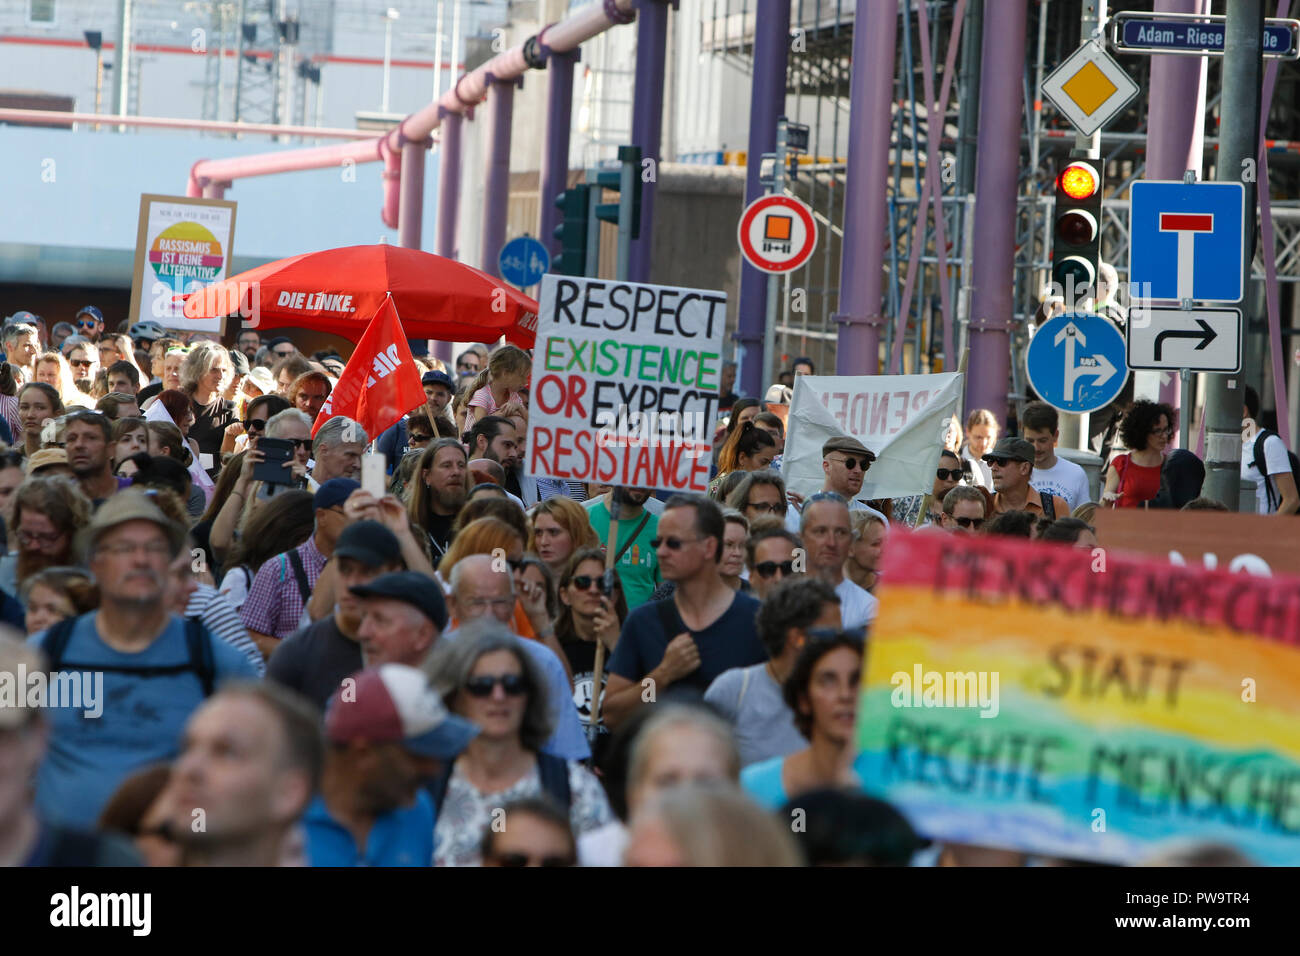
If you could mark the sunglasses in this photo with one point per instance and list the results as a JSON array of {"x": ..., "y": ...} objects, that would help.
[
  {"x": 766, "y": 569},
  {"x": 1000, "y": 462},
  {"x": 766, "y": 509},
  {"x": 585, "y": 582},
  {"x": 523, "y": 859},
  {"x": 299, "y": 442},
  {"x": 852, "y": 463},
  {"x": 512, "y": 684},
  {"x": 255, "y": 424},
  {"x": 87, "y": 325},
  {"x": 947, "y": 473},
  {"x": 419, "y": 437},
  {"x": 284, "y": 354},
  {"x": 86, "y": 362},
  {"x": 674, "y": 544},
  {"x": 969, "y": 523}
]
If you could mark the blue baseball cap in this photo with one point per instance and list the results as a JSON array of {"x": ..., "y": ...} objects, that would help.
[
  {"x": 334, "y": 492},
  {"x": 435, "y": 377},
  {"x": 91, "y": 311}
]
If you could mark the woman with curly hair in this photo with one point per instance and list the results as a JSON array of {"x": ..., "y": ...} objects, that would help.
[{"x": 1134, "y": 477}]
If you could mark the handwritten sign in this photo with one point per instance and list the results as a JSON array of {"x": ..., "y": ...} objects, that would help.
[
  {"x": 902, "y": 418},
  {"x": 625, "y": 383},
  {"x": 1088, "y": 706}
]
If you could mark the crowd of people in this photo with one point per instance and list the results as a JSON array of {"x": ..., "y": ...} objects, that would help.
[{"x": 267, "y": 664}]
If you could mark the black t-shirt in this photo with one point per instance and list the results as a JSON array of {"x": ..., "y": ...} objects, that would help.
[
  {"x": 439, "y": 529},
  {"x": 730, "y": 641},
  {"x": 314, "y": 660},
  {"x": 148, "y": 392},
  {"x": 582, "y": 661},
  {"x": 209, "y": 428}
]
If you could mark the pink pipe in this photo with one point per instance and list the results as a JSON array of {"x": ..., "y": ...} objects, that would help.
[
  {"x": 56, "y": 118},
  {"x": 265, "y": 164},
  {"x": 392, "y": 184}
]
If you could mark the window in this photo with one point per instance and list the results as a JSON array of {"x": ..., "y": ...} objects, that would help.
[{"x": 40, "y": 11}]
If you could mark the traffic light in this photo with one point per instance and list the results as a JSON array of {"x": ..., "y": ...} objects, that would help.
[
  {"x": 1076, "y": 237},
  {"x": 573, "y": 204},
  {"x": 626, "y": 181}
]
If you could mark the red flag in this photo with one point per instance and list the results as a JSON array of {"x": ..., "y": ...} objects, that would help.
[{"x": 380, "y": 383}]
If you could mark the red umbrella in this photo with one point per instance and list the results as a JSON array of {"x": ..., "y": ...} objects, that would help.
[{"x": 340, "y": 290}]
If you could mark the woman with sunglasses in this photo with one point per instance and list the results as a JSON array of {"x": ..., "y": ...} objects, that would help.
[
  {"x": 822, "y": 692},
  {"x": 1133, "y": 478},
  {"x": 592, "y": 608},
  {"x": 258, "y": 410},
  {"x": 485, "y": 676}
]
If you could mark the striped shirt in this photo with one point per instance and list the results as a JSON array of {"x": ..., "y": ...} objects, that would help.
[
  {"x": 219, "y": 616},
  {"x": 275, "y": 605}
]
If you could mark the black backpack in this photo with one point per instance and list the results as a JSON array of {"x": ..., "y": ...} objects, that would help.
[
  {"x": 553, "y": 772},
  {"x": 1273, "y": 497},
  {"x": 197, "y": 639}
]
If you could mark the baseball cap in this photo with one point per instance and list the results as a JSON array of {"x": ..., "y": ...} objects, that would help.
[
  {"x": 262, "y": 378},
  {"x": 778, "y": 395},
  {"x": 147, "y": 331},
  {"x": 278, "y": 340},
  {"x": 850, "y": 446},
  {"x": 370, "y": 543},
  {"x": 334, "y": 492},
  {"x": 91, "y": 311},
  {"x": 30, "y": 318},
  {"x": 394, "y": 703},
  {"x": 239, "y": 362},
  {"x": 18, "y": 657},
  {"x": 434, "y": 377},
  {"x": 45, "y": 458},
  {"x": 412, "y": 587},
  {"x": 1016, "y": 449},
  {"x": 129, "y": 504}
]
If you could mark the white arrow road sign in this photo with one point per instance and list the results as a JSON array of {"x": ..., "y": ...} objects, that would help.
[
  {"x": 1199, "y": 340},
  {"x": 1097, "y": 366}
]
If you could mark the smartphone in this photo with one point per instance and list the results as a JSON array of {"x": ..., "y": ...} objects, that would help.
[
  {"x": 276, "y": 452},
  {"x": 374, "y": 474}
]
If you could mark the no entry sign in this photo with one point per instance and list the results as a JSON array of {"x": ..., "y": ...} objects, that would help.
[{"x": 777, "y": 234}]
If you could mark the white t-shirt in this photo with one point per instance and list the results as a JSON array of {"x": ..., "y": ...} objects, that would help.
[
  {"x": 858, "y": 606},
  {"x": 1065, "y": 479},
  {"x": 1275, "y": 460}
]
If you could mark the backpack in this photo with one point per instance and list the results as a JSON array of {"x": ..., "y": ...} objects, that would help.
[
  {"x": 1049, "y": 505},
  {"x": 1274, "y": 498},
  {"x": 553, "y": 772},
  {"x": 197, "y": 639}
]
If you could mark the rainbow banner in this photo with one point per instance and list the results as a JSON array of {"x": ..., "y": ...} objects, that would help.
[{"x": 1080, "y": 704}]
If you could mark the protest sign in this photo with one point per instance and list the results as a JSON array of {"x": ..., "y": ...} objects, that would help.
[
  {"x": 1080, "y": 704},
  {"x": 182, "y": 245},
  {"x": 1209, "y": 539},
  {"x": 625, "y": 383},
  {"x": 902, "y": 418}
]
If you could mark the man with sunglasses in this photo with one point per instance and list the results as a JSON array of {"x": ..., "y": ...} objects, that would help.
[
  {"x": 90, "y": 323},
  {"x": 751, "y": 698},
  {"x": 705, "y": 628},
  {"x": 1012, "y": 463},
  {"x": 964, "y": 509},
  {"x": 844, "y": 464},
  {"x": 468, "y": 363},
  {"x": 773, "y": 555},
  {"x": 281, "y": 348}
]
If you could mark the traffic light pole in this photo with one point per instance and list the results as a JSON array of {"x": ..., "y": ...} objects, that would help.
[
  {"x": 776, "y": 188},
  {"x": 1238, "y": 152}
]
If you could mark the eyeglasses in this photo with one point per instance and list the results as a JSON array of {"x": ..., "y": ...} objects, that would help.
[
  {"x": 766, "y": 569},
  {"x": 674, "y": 544},
  {"x": 584, "y": 582},
  {"x": 512, "y": 684},
  {"x": 482, "y": 604},
  {"x": 969, "y": 523},
  {"x": 36, "y": 537},
  {"x": 949, "y": 473},
  {"x": 523, "y": 859},
  {"x": 1167, "y": 430},
  {"x": 852, "y": 463},
  {"x": 765, "y": 508}
]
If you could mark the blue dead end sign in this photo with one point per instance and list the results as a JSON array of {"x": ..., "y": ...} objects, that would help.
[
  {"x": 1187, "y": 241},
  {"x": 1076, "y": 362},
  {"x": 524, "y": 261}
]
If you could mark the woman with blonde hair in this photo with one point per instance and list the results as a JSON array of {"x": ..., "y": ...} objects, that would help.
[
  {"x": 560, "y": 528},
  {"x": 708, "y": 824},
  {"x": 53, "y": 369},
  {"x": 205, "y": 375}
]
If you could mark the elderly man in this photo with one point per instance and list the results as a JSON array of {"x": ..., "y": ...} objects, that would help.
[
  {"x": 337, "y": 450},
  {"x": 479, "y": 589},
  {"x": 1012, "y": 462},
  {"x": 250, "y": 760},
  {"x": 143, "y": 669},
  {"x": 828, "y": 535},
  {"x": 403, "y": 615}
]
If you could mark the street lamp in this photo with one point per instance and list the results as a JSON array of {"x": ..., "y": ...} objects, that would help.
[
  {"x": 389, "y": 16},
  {"x": 95, "y": 40}
]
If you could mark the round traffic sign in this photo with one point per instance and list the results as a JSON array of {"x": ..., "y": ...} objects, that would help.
[
  {"x": 523, "y": 261},
  {"x": 1076, "y": 362},
  {"x": 777, "y": 233}
]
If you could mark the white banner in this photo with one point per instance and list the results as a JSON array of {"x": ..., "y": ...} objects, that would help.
[
  {"x": 625, "y": 383},
  {"x": 182, "y": 245},
  {"x": 902, "y": 418}
]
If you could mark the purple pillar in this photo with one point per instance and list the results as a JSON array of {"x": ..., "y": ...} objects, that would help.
[
  {"x": 647, "y": 120},
  {"x": 993, "y": 269},
  {"x": 448, "y": 200},
  {"x": 410, "y": 213},
  {"x": 554, "y": 176},
  {"x": 866, "y": 201},
  {"x": 1175, "y": 126},
  {"x": 496, "y": 192},
  {"x": 766, "y": 105}
]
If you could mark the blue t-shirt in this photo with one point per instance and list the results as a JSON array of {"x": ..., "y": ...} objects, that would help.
[
  {"x": 762, "y": 781},
  {"x": 401, "y": 837},
  {"x": 139, "y": 721}
]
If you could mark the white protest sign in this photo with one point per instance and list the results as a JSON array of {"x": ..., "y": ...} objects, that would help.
[
  {"x": 182, "y": 245},
  {"x": 625, "y": 383},
  {"x": 902, "y": 418}
]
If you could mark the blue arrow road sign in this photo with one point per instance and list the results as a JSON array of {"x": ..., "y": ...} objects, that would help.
[
  {"x": 1187, "y": 241},
  {"x": 524, "y": 261},
  {"x": 1076, "y": 362}
]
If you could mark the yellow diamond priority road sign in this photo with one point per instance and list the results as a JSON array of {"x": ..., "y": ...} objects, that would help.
[{"x": 1089, "y": 88}]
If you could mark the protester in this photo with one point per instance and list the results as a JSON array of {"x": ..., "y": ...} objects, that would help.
[
  {"x": 708, "y": 826},
  {"x": 822, "y": 692},
  {"x": 486, "y": 677},
  {"x": 735, "y": 534},
  {"x": 847, "y": 828},
  {"x": 750, "y": 698},
  {"x": 981, "y": 436},
  {"x": 560, "y": 528},
  {"x": 250, "y": 760},
  {"x": 533, "y": 832},
  {"x": 1012, "y": 464},
  {"x": 636, "y": 559},
  {"x": 495, "y": 439},
  {"x": 337, "y": 450},
  {"x": 386, "y": 733},
  {"x": 593, "y": 609},
  {"x": 402, "y": 617},
  {"x": 38, "y": 403},
  {"x": 248, "y": 341},
  {"x": 56, "y": 594},
  {"x": 139, "y": 810},
  {"x": 1062, "y": 478},
  {"x": 844, "y": 463},
  {"x": 771, "y": 554},
  {"x": 1264, "y": 460},
  {"x": 1013, "y": 524},
  {"x": 1070, "y": 531},
  {"x": 155, "y": 668},
  {"x": 21, "y": 344},
  {"x": 946, "y": 477},
  {"x": 748, "y": 448},
  {"x": 965, "y": 509},
  {"x": 1134, "y": 476},
  {"x": 48, "y": 514},
  {"x": 123, "y": 378},
  {"x": 308, "y": 393},
  {"x": 118, "y": 405},
  {"x": 704, "y": 629},
  {"x": 827, "y": 533},
  {"x": 286, "y": 371},
  {"x": 863, "y": 563},
  {"x": 89, "y": 440},
  {"x": 496, "y": 387}
]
